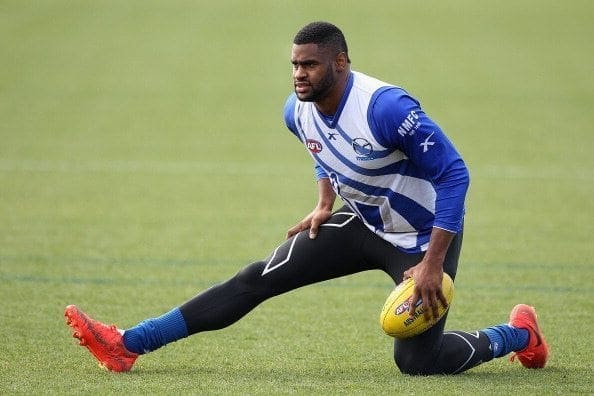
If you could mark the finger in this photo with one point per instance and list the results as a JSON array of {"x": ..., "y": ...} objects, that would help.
[
  {"x": 435, "y": 307},
  {"x": 313, "y": 229},
  {"x": 427, "y": 305},
  {"x": 442, "y": 299},
  {"x": 407, "y": 274},
  {"x": 295, "y": 230},
  {"x": 413, "y": 302}
]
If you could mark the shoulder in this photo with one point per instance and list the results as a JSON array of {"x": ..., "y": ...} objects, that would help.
[
  {"x": 362, "y": 80},
  {"x": 290, "y": 102},
  {"x": 289, "y": 113},
  {"x": 390, "y": 107},
  {"x": 385, "y": 99},
  {"x": 390, "y": 100}
]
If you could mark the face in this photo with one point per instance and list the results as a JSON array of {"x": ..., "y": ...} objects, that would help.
[{"x": 314, "y": 75}]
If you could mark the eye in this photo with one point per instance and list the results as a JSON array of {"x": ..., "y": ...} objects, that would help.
[{"x": 306, "y": 65}]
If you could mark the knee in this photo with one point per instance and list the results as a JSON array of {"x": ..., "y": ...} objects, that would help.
[
  {"x": 413, "y": 364},
  {"x": 405, "y": 365},
  {"x": 250, "y": 280},
  {"x": 249, "y": 273}
]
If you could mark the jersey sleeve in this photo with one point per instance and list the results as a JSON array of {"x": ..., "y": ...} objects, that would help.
[
  {"x": 289, "y": 115},
  {"x": 398, "y": 121}
]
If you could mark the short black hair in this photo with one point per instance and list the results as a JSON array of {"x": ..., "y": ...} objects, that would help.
[{"x": 323, "y": 34}]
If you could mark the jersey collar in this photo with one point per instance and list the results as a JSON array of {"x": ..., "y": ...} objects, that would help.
[{"x": 331, "y": 121}]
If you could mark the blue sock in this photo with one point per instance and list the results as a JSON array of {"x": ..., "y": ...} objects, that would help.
[
  {"x": 505, "y": 339},
  {"x": 151, "y": 334}
]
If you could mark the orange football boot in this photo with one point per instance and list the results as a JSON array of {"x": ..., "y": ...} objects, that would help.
[
  {"x": 535, "y": 355},
  {"x": 103, "y": 341}
]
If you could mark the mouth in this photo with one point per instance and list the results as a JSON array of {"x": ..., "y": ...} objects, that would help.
[{"x": 301, "y": 87}]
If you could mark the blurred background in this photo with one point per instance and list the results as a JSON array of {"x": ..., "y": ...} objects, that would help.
[{"x": 143, "y": 153}]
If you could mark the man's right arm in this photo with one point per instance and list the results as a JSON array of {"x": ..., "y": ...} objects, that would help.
[{"x": 321, "y": 213}]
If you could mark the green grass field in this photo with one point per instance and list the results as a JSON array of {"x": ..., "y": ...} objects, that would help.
[{"x": 143, "y": 157}]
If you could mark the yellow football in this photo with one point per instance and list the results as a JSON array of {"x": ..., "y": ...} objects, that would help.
[{"x": 395, "y": 319}]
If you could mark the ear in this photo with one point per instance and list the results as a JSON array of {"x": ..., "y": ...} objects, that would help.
[{"x": 341, "y": 61}]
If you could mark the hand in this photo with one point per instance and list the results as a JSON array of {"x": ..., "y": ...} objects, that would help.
[
  {"x": 428, "y": 288},
  {"x": 311, "y": 221}
]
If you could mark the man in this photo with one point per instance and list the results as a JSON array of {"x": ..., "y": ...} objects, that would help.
[{"x": 403, "y": 185}]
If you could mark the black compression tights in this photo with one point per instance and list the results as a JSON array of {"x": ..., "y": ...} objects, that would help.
[{"x": 343, "y": 246}]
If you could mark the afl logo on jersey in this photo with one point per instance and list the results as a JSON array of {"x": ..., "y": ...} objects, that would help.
[{"x": 313, "y": 145}]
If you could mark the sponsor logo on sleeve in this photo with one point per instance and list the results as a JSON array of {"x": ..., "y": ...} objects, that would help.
[
  {"x": 410, "y": 124},
  {"x": 427, "y": 143}
]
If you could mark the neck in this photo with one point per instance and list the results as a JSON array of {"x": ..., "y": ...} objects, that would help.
[{"x": 329, "y": 104}]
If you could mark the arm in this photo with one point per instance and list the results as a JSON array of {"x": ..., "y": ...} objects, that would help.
[
  {"x": 400, "y": 122},
  {"x": 428, "y": 273},
  {"x": 326, "y": 195},
  {"x": 321, "y": 213}
]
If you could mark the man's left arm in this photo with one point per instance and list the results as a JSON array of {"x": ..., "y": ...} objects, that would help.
[
  {"x": 428, "y": 274},
  {"x": 404, "y": 125}
]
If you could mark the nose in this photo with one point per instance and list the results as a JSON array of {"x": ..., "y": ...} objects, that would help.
[{"x": 299, "y": 72}]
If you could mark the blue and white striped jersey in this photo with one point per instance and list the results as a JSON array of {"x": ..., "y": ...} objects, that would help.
[{"x": 386, "y": 159}]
